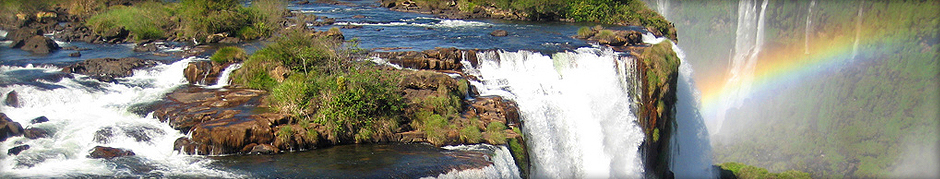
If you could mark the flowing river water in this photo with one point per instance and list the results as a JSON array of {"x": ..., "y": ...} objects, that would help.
[{"x": 576, "y": 101}]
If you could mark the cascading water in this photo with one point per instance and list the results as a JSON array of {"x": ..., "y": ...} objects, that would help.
[
  {"x": 225, "y": 75},
  {"x": 749, "y": 39},
  {"x": 79, "y": 108},
  {"x": 809, "y": 14},
  {"x": 858, "y": 32},
  {"x": 503, "y": 164},
  {"x": 577, "y": 109},
  {"x": 662, "y": 6}
]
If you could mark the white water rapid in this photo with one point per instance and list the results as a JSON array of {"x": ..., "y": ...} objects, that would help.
[
  {"x": 577, "y": 109},
  {"x": 504, "y": 167},
  {"x": 225, "y": 75},
  {"x": 749, "y": 39},
  {"x": 79, "y": 107},
  {"x": 809, "y": 21},
  {"x": 858, "y": 32}
]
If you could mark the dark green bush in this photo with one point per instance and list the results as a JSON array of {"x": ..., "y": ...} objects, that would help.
[{"x": 495, "y": 133}]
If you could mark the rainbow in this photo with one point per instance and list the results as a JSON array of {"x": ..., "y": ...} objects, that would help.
[{"x": 781, "y": 67}]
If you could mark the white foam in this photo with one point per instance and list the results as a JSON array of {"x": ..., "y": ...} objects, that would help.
[
  {"x": 446, "y": 23},
  {"x": 76, "y": 111},
  {"x": 503, "y": 164},
  {"x": 226, "y": 74},
  {"x": 577, "y": 108}
]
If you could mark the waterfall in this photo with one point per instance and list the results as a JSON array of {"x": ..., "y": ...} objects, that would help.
[
  {"x": 858, "y": 32},
  {"x": 577, "y": 109},
  {"x": 503, "y": 164},
  {"x": 809, "y": 13},
  {"x": 662, "y": 6},
  {"x": 225, "y": 75},
  {"x": 79, "y": 107},
  {"x": 749, "y": 39}
]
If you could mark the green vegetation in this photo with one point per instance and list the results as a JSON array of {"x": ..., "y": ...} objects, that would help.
[
  {"x": 742, "y": 171},
  {"x": 229, "y": 54},
  {"x": 470, "y": 133},
  {"x": 619, "y": 12},
  {"x": 196, "y": 18},
  {"x": 495, "y": 132},
  {"x": 662, "y": 62}
]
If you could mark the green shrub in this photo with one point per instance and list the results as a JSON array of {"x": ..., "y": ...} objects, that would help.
[
  {"x": 743, "y": 171},
  {"x": 229, "y": 54},
  {"x": 285, "y": 133},
  {"x": 292, "y": 95},
  {"x": 368, "y": 102},
  {"x": 470, "y": 133},
  {"x": 201, "y": 18},
  {"x": 606, "y": 34},
  {"x": 435, "y": 128},
  {"x": 495, "y": 132},
  {"x": 585, "y": 32},
  {"x": 129, "y": 18},
  {"x": 254, "y": 73}
]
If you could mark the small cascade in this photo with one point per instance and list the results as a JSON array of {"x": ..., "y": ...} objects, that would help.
[
  {"x": 662, "y": 6},
  {"x": 225, "y": 75},
  {"x": 749, "y": 39},
  {"x": 84, "y": 113},
  {"x": 503, "y": 164},
  {"x": 858, "y": 32},
  {"x": 577, "y": 109},
  {"x": 809, "y": 15}
]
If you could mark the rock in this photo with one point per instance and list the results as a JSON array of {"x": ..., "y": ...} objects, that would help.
[
  {"x": 109, "y": 153},
  {"x": 494, "y": 108},
  {"x": 141, "y": 133},
  {"x": 106, "y": 69},
  {"x": 351, "y": 27},
  {"x": 499, "y": 33},
  {"x": 427, "y": 80},
  {"x": 116, "y": 34},
  {"x": 215, "y": 38},
  {"x": 40, "y": 45},
  {"x": 203, "y": 72},
  {"x": 358, "y": 16},
  {"x": 434, "y": 59},
  {"x": 75, "y": 54},
  {"x": 35, "y": 133},
  {"x": 145, "y": 47},
  {"x": 230, "y": 40},
  {"x": 40, "y": 119},
  {"x": 304, "y": 2},
  {"x": 16, "y": 150},
  {"x": 19, "y": 36},
  {"x": 217, "y": 119},
  {"x": 104, "y": 135},
  {"x": 12, "y": 100},
  {"x": 264, "y": 149},
  {"x": 9, "y": 128}
]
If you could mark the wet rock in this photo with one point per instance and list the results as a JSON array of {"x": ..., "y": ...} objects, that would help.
[
  {"x": 35, "y": 133},
  {"x": 145, "y": 47},
  {"x": 358, "y": 16},
  {"x": 114, "y": 35},
  {"x": 40, "y": 119},
  {"x": 264, "y": 149},
  {"x": 104, "y": 135},
  {"x": 106, "y": 69},
  {"x": 40, "y": 45},
  {"x": 12, "y": 99},
  {"x": 75, "y": 54},
  {"x": 215, "y": 38},
  {"x": 8, "y": 128},
  {"x": 109, "y": 153},
  {"x": 142, "y": 133},
  {"x": 16, "y": 150},
  {"x": 19, "y": 36},
  {"x": 203, "y": 72},
  {"x": 499, "y": 33}
]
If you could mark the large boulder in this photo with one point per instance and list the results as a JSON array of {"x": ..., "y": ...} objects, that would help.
[
  {"x": 499, "y": 33},
  {"x": 434, "y": 59},
  {"x": 40, "y": 45},
  {"x": 12, "y": 100},
  {"x": 494, "y": 108},
  {"x": 8, "y": 128},
  {"x": 106, "y": 69},
  {"x": 109, "y": 153},
  {"x": 19, "y": 36},
  {"x": 35, "y": 133},
  {"x": 203, "y": 72},
  {"x": 219, "y": 121}
]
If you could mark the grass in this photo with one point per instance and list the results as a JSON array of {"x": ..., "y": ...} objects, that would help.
[
  {"x": 495, "y": 133},
  {"x": 129, "y": 18},
  {"x": 229, "y": 54},
  {"x": 743, "y": 171}
]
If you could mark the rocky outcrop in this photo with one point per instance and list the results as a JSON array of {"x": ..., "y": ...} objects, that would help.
[
  {"x": 39, "y": 45},
  {"x": 35, "y": 133},
  {"x": 204, "y": 72},
  {"x": 220, "y": 122},
  {"x": 109, "y": 153},
  {"x": 658, "y": 70},
  {"x": 18, "y": 37},
  {"x": 12, "y": 99},
  {"x": 107, "y": 69},
  {"x": 9, "y": 128},
  {"x": 453, "y": 10},
  {"x": 495, "y": 108},
  {"x": 617, "y": 39},
  {"x": 434, "y": 59}
]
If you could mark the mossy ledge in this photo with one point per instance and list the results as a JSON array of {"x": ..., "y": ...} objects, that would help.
[{"x": 658, "y": 70}]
